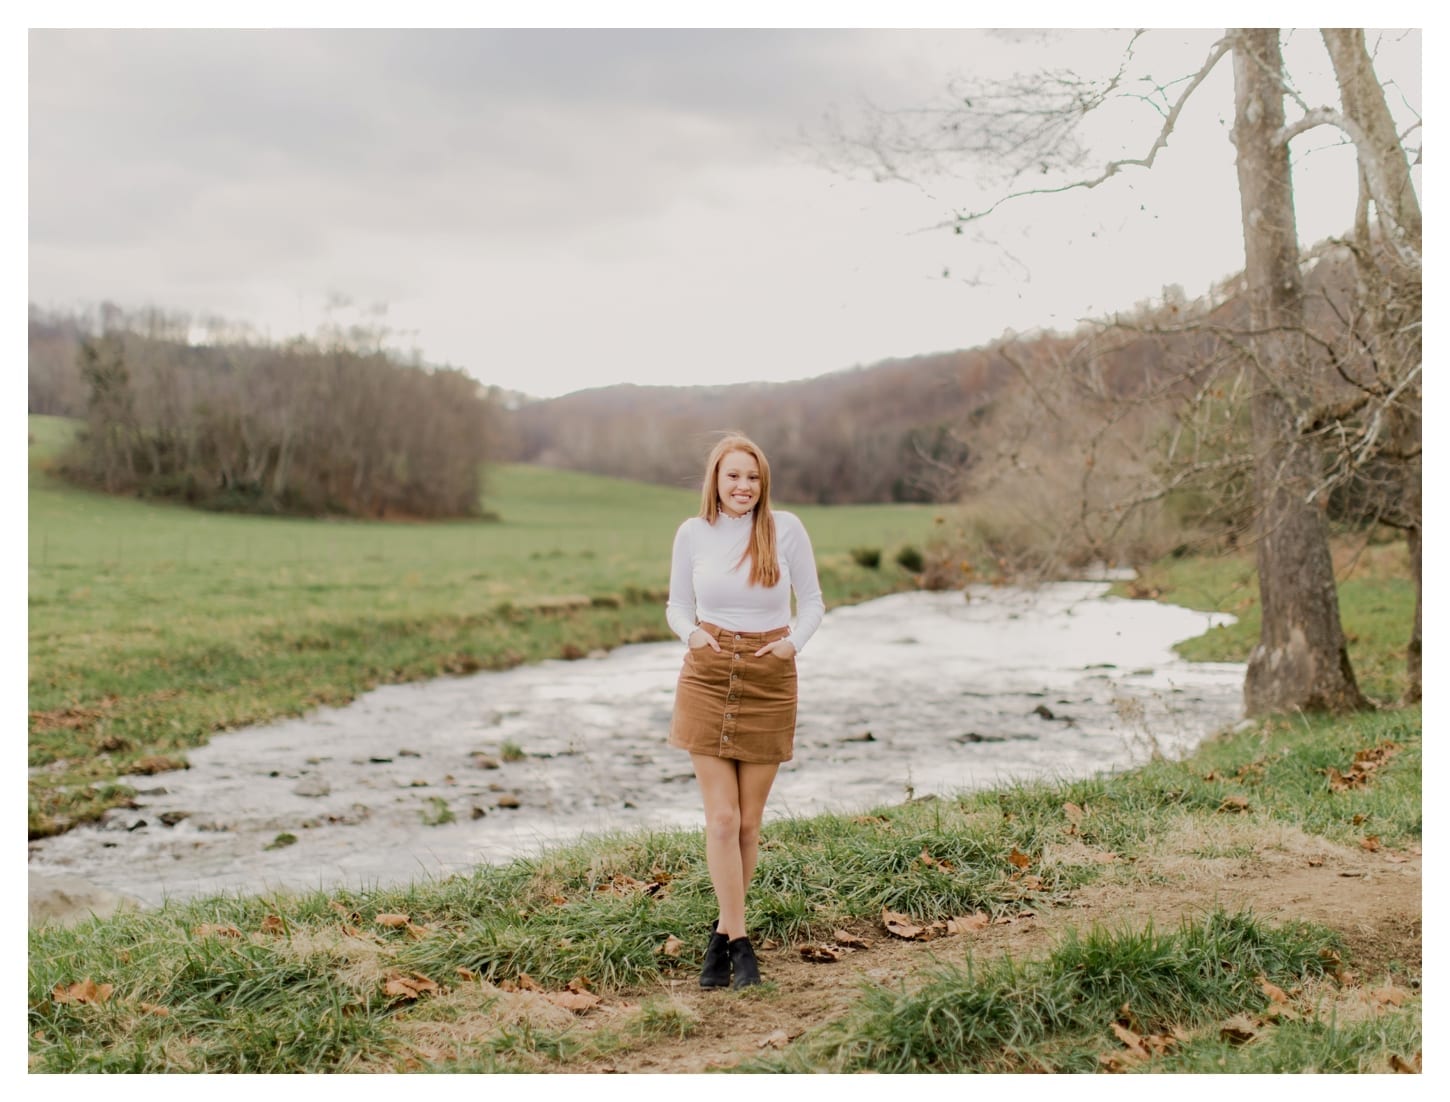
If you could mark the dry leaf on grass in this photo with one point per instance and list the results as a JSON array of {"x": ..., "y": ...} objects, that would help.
[
  {"x": 152, "y": 1008},
  {"x": 1411, "y": 1066},
  {"x": 966, "y": 924},
  {"x": 408, "y": 985},
  {"x": 348, "y": 916},
  {"x": 208, "y": 929},
  {"x": 467, "y": 975},
  {"x": 1234, "y": 803},
  {"x": 1239, "y": 1029},
  {"x": 671, "y": 947},
  {"x": 900, "y": 925},
  {"x": 1018, "y": 858},
  {"x": 273, "y": 924},
  {"x": 87, "y": 991},
  {"x": 1390, "y": 996},
  {"x": 1273, "y": 991},
  {"x": 579, "y": 1002},
  {"x": 418, "y": 933},
  {"x": 1371, "y": 843},
  {"x": 528, "y": 983},
  {"x": 1117, "y": 1062},
  {"x": 1131, "y": 1040},
  {"x": 850, "y": 940},
  {"x": 392, "y": 921}
]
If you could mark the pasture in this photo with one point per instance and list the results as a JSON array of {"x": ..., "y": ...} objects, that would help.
[{"x": 152, "y": 625}]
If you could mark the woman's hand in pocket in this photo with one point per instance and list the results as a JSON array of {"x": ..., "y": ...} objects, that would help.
[
  {"x": 700, "y": 638},
  {"x": 783, "y": 649}
]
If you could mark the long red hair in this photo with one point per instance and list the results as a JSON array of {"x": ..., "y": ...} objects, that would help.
[{"x": 761, "y": 550}]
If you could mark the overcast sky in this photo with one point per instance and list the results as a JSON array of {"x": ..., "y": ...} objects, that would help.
[{"x": 559, "y": 209}]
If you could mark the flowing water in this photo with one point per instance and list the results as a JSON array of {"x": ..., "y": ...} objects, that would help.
[{"x": 910, "y": 694}]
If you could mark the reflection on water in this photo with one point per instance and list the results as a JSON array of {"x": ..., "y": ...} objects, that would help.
[{"x": 911, "y": 694}]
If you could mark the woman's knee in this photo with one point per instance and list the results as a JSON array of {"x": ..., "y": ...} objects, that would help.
[
  {"x": 723, "y": 824},
  {"x": 750, "y": 832}
]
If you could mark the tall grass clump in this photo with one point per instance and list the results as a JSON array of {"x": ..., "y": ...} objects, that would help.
[{"x": 1055, "y": 1014}]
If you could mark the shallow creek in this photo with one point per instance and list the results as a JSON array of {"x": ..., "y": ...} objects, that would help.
[{"x": 911, "y": 694}]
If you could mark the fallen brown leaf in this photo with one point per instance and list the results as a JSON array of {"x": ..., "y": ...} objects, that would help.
[
  {"x": 1411, "y": 1066},
  {"x": 900, "y": 925},
  {"x": 671, "y": 947},
  {"x": 1073, "y": 812},
  {"x": 1234, "y": 803},
  {"x": 1018, "y": 858},
  {"x": 578, "y": 984},
  {"x": 86, "y": 991},
  {"x": 1273, "y": 991},
  {"x": 408, "y": 985},
  {"x": 1115, "y": 1062},
  {"x": 850, "y": 940},
  {"x": 1371, "y": 843},
  {"x": 392, "y": 921},
  {"x": 273, "y": 924},
  {"x": 820, "y": 954},
  {"x": 1130, "y": 1039},
  {"x": 208, "y": 929},
  {"x": 1390, "y": 996},
  {"x": 528, "y": 983},
  {"x": 580, "y": 1002},
  {"x": 1239, "y": 1029},
  {"x": 152, "y": 1008},
  {"x": 467, "y": 975},
  {"x": 965, "y": 924},
  {"x": 418, "y": 933},
  {"x": 776, "y": 1039}
]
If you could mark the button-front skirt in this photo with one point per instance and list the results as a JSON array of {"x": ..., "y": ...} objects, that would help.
[{"x": 734, "y": 705}]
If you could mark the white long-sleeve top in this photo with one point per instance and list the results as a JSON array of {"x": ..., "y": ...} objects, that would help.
[{"x": 707, "y": 585}]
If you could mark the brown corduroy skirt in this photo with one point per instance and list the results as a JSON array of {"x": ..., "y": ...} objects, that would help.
[{"x": 734, "y": 705}]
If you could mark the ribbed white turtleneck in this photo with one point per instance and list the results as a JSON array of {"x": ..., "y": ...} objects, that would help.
[{"x": 706, "y": 585}]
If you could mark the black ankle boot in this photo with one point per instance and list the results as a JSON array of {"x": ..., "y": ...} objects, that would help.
[
  {"x": 743, "y": 963},
  {"x": 716, "y": 970}
]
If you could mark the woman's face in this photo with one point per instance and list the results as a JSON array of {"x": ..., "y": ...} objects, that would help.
[{"x": 739, "y": 483}]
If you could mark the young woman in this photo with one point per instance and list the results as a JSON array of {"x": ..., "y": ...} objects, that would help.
[{"x": 731, "y": 576}]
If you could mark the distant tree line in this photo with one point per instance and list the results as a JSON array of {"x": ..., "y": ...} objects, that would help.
[
  {"x": 305, "y": 428},
  {"x": 1097, "y": 412},
  {"x": 896, "y": 431}
]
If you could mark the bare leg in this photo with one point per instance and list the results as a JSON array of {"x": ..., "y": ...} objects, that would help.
[
  {"x": 734, "y": 795},
  {"x": 720, "y": 787},
  {"x": 755, "y": 782}
]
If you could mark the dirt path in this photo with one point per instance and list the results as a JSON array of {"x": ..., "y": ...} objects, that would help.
[{"x": 1372, "y": 899}]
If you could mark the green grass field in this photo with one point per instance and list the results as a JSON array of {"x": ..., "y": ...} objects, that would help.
[{"x": 152, "y": 625}]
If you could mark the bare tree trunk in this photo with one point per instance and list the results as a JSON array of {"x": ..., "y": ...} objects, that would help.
[
  {"x": 1395, "y": 309},
  {"x": 1301, "y": 661},
  {"x": 1381, "y": 154}
]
